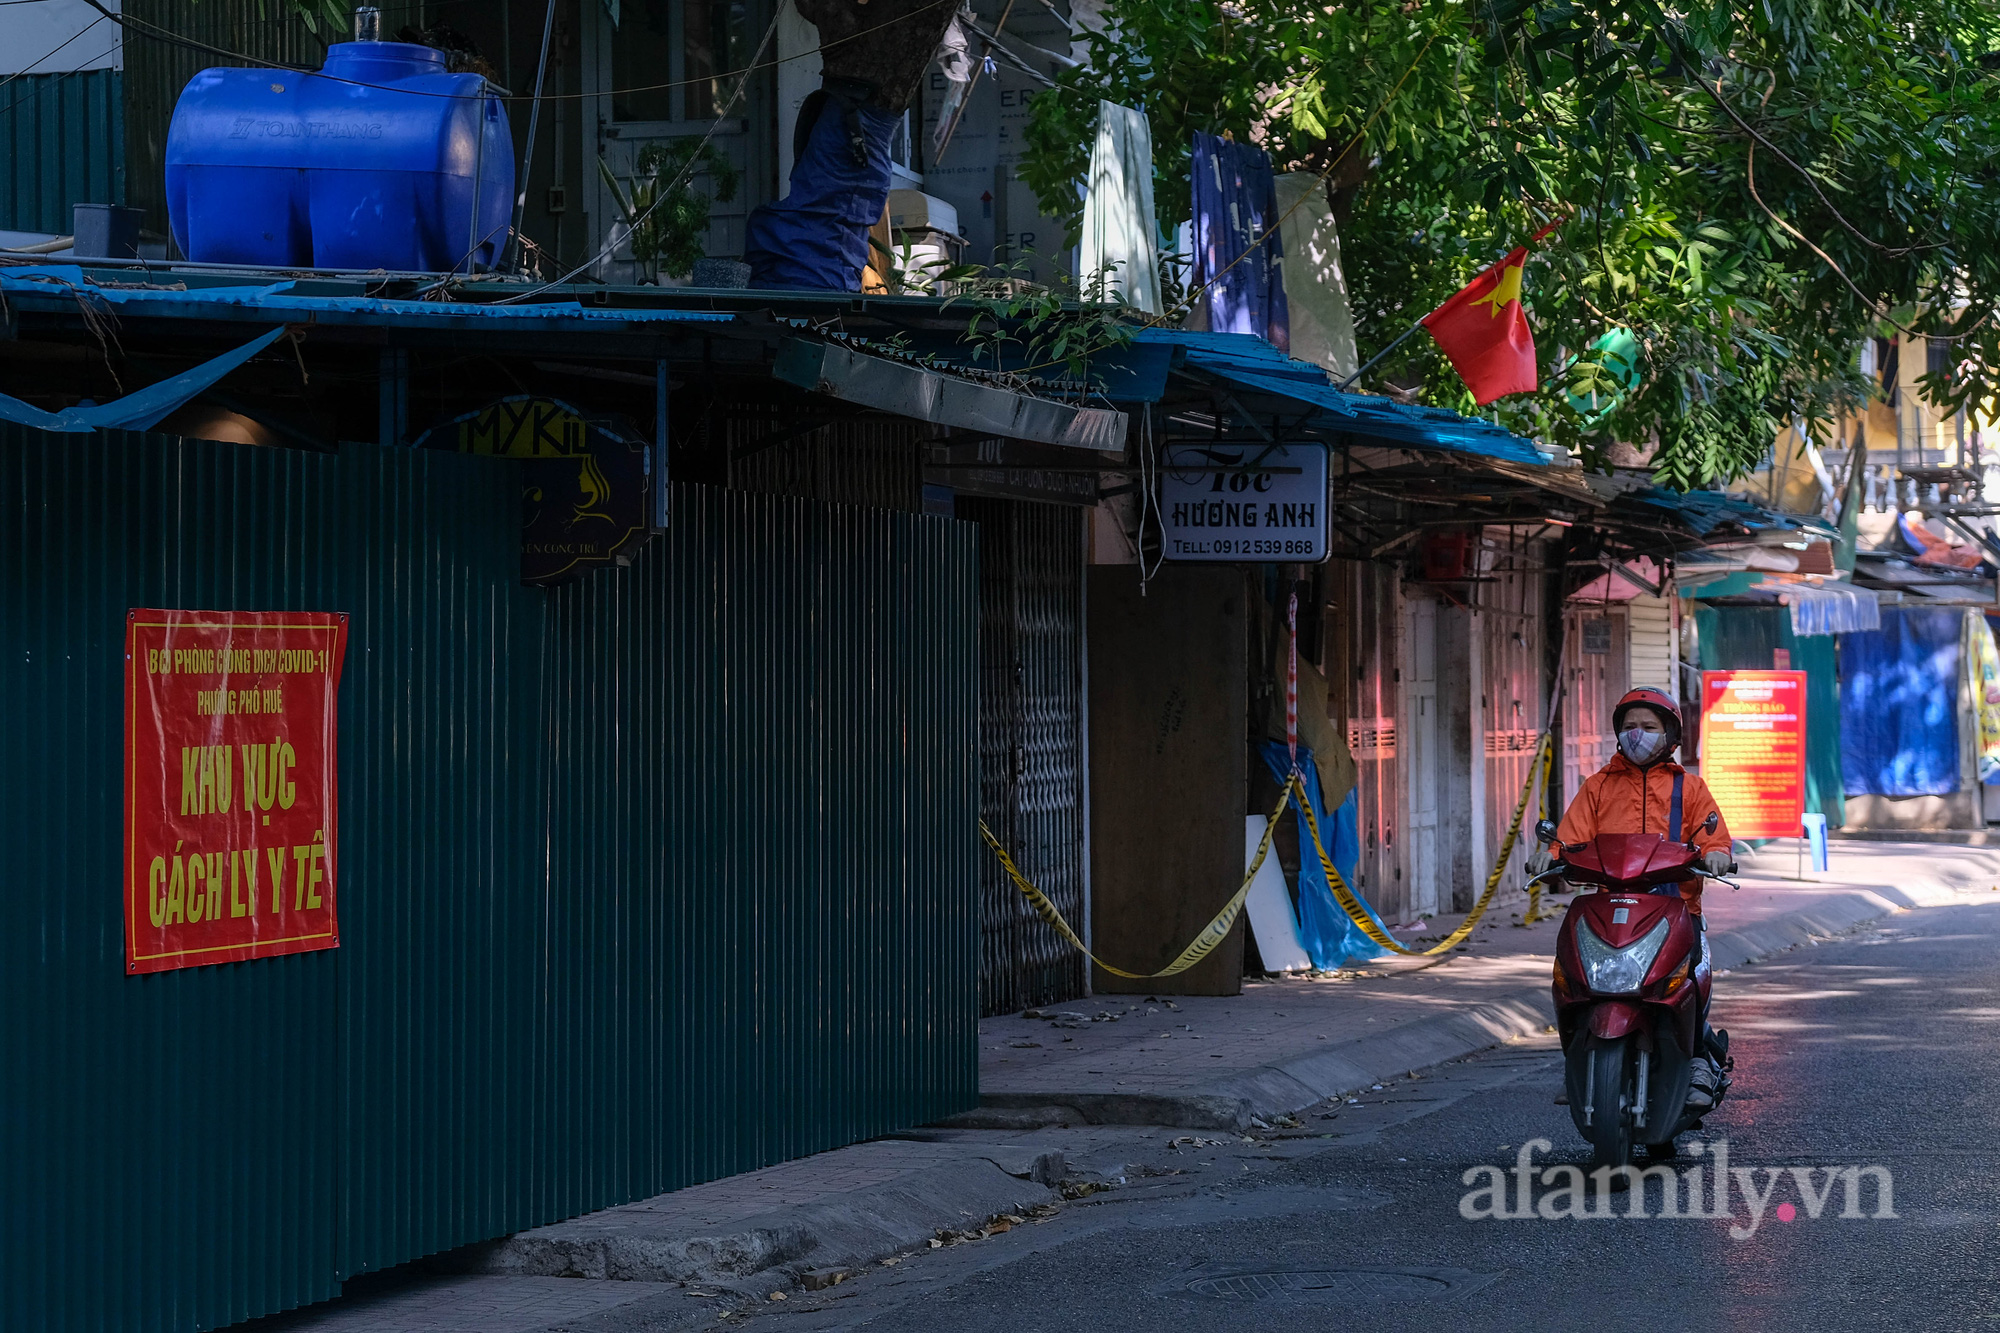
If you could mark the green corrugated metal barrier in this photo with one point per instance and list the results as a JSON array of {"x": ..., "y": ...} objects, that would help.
[
  {"x": 62, "y": 142},
  {"x": 647, "y": 880}
]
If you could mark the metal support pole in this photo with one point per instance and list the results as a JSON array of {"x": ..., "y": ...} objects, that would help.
[
  {"x": 527, "y": 163},
  {"x": 660, "y": 471},
  {"x": 393, "y": 379}
]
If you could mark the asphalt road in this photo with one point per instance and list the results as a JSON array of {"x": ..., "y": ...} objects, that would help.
[{"x": 1878, "y": 1050}]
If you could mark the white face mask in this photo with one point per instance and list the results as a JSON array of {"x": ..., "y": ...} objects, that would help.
[{"x": 1642, "y": 747}]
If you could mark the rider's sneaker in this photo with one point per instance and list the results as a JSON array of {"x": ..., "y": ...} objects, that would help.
[{"x": 1704, "y": 1086}]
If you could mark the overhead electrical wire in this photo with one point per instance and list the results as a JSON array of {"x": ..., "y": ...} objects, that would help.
[
  {"x": 687, "y": 168},
  {"x": 153, "y": 31},
  {"x": 30, "y": 69},
  {"x": 534, "y": 122}
]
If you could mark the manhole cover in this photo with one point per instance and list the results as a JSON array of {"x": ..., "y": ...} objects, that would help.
[{"x": 1350, "y": 1285}]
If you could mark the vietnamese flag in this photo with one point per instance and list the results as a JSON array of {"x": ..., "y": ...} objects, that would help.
[{"x": 1485, "y": 332}]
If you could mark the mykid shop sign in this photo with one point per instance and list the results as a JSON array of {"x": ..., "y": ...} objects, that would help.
[
  {"x": 230, "y": 771},
  {"x": 1244, "y": 503}
]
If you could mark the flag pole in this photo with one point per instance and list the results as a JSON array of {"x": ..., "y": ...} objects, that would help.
[{"x": 1376, "y": 359}]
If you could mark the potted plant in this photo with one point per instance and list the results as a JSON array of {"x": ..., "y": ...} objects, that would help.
[{"x": 666, "y": 218}]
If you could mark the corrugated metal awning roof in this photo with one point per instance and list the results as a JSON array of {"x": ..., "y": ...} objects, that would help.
[
  {"x": 1254, "y": 366},
  {"x": 1704, "y": 512},
  {"x": 913, "y": 390},
  {"x": 283, "y": 302}
]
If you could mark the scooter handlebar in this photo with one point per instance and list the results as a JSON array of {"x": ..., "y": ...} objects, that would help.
[{"x": 1555, "y": 872}]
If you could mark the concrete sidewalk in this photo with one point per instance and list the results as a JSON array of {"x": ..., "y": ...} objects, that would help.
[
  {"x": 1068, "y": 1098},
  {"x": 1284, "y": 1045}
]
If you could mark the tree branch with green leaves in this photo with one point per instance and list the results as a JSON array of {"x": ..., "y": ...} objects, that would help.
[{"x": 1751, "y": 190}]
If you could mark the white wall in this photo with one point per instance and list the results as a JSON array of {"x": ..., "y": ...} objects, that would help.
[
  {"x": 1652, "y": 647},
  {"x": 58, "y": 36},
  {"x": 976, "y": 174},
  {"x": 798, "y": 78}
]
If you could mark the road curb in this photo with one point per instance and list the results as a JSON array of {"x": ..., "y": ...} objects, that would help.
[
  {"x": 849, "y": 1229},
  {"x": 1837, "y": 914},
  {"x": 1285, "y": 1087}
]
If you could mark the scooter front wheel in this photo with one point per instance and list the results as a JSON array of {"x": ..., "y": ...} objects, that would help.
[{"x": 1610, "y": 1082}]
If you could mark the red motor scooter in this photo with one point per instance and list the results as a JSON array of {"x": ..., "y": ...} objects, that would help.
[{"x": 1631, "y": 991}]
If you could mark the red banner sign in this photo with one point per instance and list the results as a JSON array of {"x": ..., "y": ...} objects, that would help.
[
  {"x": 230, "y": 786},
  {"x": 1753, "y": 749}
]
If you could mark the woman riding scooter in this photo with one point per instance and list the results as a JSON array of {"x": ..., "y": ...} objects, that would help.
[{"x": 1642, "y": 790}]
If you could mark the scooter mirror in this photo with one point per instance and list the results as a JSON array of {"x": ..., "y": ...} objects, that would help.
[
  {"x": 1545, "y": 829},
  {"x": 1714, "y": 818}
]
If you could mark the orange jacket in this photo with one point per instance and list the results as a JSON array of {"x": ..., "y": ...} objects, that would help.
[{"x": 1621, "y": 797}]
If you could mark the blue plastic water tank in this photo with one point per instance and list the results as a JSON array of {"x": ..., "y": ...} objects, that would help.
[{"x": 382, "y": 160}]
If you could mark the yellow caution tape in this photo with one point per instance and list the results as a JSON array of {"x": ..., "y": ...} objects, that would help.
[
  {"x": 1535, "y": 912},
  {"x": 1218, "y": 929},
  {"x": 1360, "y": 914},
  {"x": 1211, "y": 934}
]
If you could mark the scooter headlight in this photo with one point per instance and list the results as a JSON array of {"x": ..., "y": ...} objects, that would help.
[{"x": 1610, "y": 971}]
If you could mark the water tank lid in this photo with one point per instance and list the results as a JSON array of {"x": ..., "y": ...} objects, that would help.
[{"x": 382, "y": 60}]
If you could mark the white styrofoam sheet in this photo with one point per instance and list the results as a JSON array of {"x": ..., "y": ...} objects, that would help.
[{"x": 1269, "y": 907}]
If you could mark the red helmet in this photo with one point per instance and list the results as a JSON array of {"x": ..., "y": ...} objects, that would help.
[{"x": 1648, "y": 697}]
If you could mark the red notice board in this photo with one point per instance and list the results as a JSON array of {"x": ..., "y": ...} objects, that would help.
[
  {"x": 1753, "y": 749},
  {"x": 230, "y": 785}
]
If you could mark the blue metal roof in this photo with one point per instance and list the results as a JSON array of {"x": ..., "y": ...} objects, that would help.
[
  {"x": 281, "y": 302},
  {"x": 1703, "y": 512},
  {"x": 1252, "y": 364},
  {"x": 1137, "y": 373}
]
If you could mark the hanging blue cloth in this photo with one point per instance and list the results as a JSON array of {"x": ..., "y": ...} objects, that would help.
[
  {"x": 141, "y": 409},
  {"x": 1235, "y": 203},
  {"x": 816, "y": 237},
  {"x": 1899, "y": 704},
  {"x": 1329, "y": 934}
]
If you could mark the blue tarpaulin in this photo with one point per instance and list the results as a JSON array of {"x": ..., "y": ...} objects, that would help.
[
  {"x": 1329, "y": 934},
  {"x": 816, "y": 237},
  {"x": 1236, "y": 209},
  {"x": 142, "y": 409},
  {"x": 1899, "y": 704}
]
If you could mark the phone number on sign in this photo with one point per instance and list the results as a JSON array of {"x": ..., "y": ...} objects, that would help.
[{"x": 1248, "y": 546}]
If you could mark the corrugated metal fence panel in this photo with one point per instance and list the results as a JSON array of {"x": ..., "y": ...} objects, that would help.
[
  {"x": 1030, "y": 745},
  {"x": 869, "y": 462},
  {"x": 1514, "y": 689},
  {"x": 1594, "y": 682},
  {"x": 62, "y": 142},
  {"x": 173, "y": 1135},
  {"x": 446, "y": 781},
  {"x": 1369, "y": 600},
  {"x": 1048, "y": 643},
  {"x": 156, "y": 69},
  {"x": 656, "y": 877}
]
